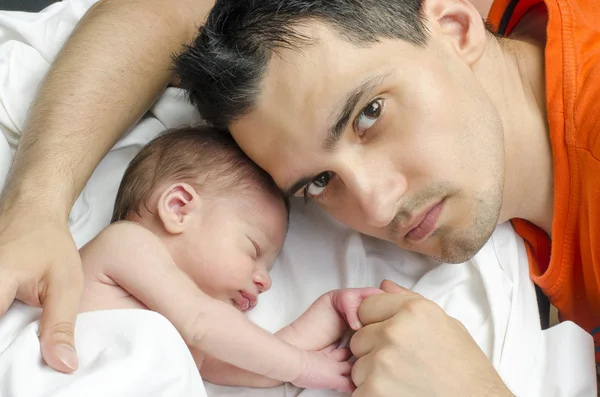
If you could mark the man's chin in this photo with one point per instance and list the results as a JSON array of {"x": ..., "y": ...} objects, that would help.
[
  {"x": 445, "y": 249},
  {"x": 453, "y": 257},
  {"x": 462, "y": 248}
]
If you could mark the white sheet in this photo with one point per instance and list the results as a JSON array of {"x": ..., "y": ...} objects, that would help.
[{"x": 124, "y": 353}]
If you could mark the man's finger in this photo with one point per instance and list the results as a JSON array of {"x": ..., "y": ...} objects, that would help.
[
  {"x": 360, "y": 392},
  {"x": 393, "y": 288},
  {"x": 364, "y": 391},
  {"x": 8, "y": 292},
  {"x": 378, "y": 308},
  {"x": 363, "y": 340},
  {"x": 61, "y": 304},
  {"x": 359, "y": 371}
]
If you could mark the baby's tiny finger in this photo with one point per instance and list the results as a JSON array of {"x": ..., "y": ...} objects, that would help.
[
  {"x": 341, "y": 354},
  {"x": 345, "y": 368},
  {"x": 331, "y": 348},
  {"x": 346, "y": 386}
]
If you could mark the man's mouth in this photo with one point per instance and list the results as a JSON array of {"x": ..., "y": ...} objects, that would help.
[{"x": 424, "y": 224}]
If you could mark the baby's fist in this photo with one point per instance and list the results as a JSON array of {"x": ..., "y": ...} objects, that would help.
[{"x": 347, "y": 301}]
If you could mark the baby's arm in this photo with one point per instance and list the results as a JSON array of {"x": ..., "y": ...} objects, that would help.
[
  {"x": 327, "y": 319},
  {"x": 224, "y": 374},
  {"x": 144, "y": 268},
  {"x": 323, "y": 323}
]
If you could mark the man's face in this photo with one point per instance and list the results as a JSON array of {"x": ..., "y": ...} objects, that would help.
[{"x": 395, "y": 141}]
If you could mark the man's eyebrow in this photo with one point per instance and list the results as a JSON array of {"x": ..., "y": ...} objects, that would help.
[{"x": 352, "y": 99}]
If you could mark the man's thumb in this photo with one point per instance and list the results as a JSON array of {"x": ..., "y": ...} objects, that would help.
[
  {"x": 57, "y": 328},
  {"x": 393, "y": 288}
]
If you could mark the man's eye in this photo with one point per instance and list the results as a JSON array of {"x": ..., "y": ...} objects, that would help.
[
  {"x": 318, "y": 185},
  {"x": 368, "y": 116}
]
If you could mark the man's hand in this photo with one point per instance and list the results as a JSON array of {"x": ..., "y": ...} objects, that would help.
[
  {"x": 410, "y": 347},
  {"x": 326, "y": 369},
  {"x": 40, "y": 266}
]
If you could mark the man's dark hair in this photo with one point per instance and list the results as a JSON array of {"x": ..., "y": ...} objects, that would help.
[{"x": 223, "y": 68}]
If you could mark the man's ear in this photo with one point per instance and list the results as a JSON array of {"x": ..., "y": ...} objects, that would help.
[
  {"x": 175, "y": 206},
  {"x": 459, "y": 22}
]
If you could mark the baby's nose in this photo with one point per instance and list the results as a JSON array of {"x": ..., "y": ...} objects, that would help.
[{"x": 262, "y": 281}]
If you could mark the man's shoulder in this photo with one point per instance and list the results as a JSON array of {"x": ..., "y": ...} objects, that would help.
[
  {"x": 573, "y": 73},
  {"x": 585, "y": 66}
]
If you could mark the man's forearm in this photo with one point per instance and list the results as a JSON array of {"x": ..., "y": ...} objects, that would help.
[{"x": 109, "y": 72}]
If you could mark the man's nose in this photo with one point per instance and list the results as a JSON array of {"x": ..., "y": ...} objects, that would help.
[
  {"x": 262, "y": 280},
  {"x": 378, "y": 193}
]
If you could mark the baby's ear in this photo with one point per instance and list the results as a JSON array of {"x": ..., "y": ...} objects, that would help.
[{"x": 175, "y": 206}]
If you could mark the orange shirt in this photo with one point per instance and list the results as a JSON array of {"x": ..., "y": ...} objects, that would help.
[{"x": 567, "y": 269}]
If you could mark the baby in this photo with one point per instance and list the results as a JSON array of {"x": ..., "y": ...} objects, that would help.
[{"x": 195, "y": 230}]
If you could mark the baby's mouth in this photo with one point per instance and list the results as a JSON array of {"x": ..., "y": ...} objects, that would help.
[{"x": 246, "y": 301}]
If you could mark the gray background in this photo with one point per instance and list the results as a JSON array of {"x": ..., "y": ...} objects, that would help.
[{"x": 25, "y": 5}]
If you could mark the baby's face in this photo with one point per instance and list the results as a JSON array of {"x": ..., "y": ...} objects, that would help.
[{"x": 232, "y": 245}]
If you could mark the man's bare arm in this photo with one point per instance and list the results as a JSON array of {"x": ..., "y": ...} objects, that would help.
[
  {"x": 109, "y": 72},
  {"x": 112, "y": 68}
]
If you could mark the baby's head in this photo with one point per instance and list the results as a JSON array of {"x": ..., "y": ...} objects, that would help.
[{"x": 222, "y": 217}]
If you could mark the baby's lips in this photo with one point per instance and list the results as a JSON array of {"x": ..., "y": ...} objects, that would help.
[{"x": 247, "y": 301}]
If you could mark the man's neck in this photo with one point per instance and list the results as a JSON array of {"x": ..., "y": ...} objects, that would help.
[{"x": 512, "y": 72}]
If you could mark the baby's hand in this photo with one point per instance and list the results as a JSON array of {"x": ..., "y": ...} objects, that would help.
[
  {"x": 347, "y": 301},
  {"x": 326, "y": 369}
]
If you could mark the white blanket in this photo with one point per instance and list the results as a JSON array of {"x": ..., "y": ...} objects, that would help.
[{"x": 133, "y": 352}]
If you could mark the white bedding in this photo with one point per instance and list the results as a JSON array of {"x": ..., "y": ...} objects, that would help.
[{"x": 127, "y": 353}]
